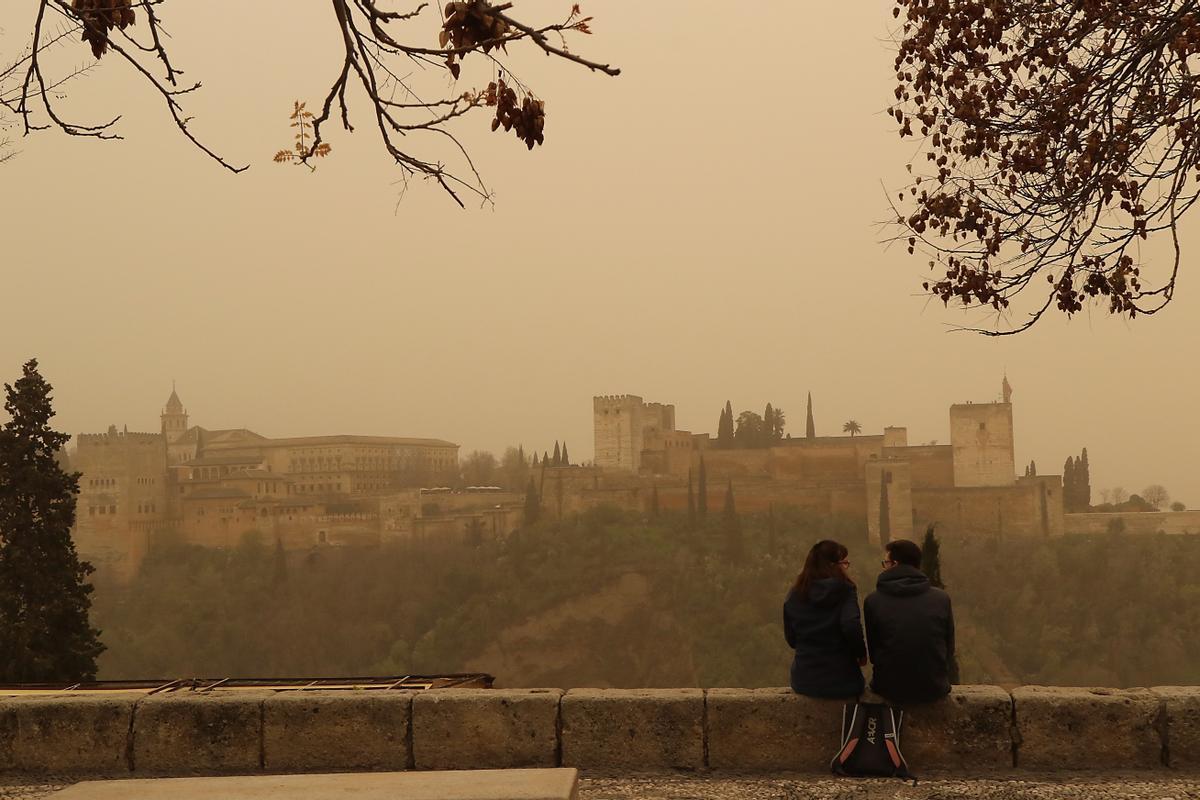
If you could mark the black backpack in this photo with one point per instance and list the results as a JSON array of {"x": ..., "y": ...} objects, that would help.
[{"x": 871, "y": 742}]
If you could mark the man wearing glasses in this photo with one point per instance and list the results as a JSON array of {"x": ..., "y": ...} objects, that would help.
[{"x": 910, "y": 630}]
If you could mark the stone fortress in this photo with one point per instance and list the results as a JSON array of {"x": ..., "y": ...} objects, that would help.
[
  {"x": 211, "y": 487},
  {"x": 970, "y": 485}
]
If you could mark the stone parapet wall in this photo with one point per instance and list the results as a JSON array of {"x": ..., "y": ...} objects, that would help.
[{"x": 977, "y": 729}]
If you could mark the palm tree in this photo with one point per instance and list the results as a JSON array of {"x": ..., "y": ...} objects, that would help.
[{"x": 852, "y": 427}]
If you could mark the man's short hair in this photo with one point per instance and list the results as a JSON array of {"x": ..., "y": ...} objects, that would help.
[{"x": 902, "y": 551}]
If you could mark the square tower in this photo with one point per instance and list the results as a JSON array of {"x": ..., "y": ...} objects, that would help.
[
  {"x": 621, "y": 424},
  {"x": 981, "y": 435}
]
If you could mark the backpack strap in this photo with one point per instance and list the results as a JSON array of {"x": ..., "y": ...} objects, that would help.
[{"x": 849, "y": 739}]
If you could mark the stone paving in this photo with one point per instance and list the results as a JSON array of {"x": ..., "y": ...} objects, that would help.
[
  {"x": 785, "y": 787},
  {"x": 794, "y": 787}
]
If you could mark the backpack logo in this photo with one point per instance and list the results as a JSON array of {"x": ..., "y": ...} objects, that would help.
[{"x": 864, "y": 751}]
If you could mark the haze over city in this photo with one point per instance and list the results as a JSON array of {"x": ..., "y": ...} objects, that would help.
[{"x": 693, "y": 231}]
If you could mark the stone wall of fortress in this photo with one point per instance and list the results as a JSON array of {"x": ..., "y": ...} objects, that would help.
[{"x": 1143, "y": 523}]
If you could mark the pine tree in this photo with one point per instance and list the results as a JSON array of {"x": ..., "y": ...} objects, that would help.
[
  {"x": 691, "y": 509},
  {"x": 702, "y": 490},
  {"x": 557, "y": 462},
  {"x": 810, "y": 429},
  {"x": 931, "y": 565},
  {"x": 45, "y": 634},
  {"x": 566, "y": 460},
  {"x": 533, "y": 506}
]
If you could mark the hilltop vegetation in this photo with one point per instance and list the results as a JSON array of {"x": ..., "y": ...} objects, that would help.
[{"x": 611, "y": 599}]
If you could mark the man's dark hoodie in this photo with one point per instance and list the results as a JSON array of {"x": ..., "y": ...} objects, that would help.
[
  {"x": 910, "y": 633},
  {"x": 825, "y": 630}
]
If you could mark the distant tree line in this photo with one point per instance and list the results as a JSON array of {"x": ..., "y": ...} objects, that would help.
[{"x": 749, "y": 429}]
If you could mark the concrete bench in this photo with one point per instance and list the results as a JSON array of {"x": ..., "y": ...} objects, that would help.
[{"x": 513, "y": 784}]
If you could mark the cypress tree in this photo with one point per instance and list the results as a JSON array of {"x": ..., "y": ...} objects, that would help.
[
  {"x": 557, "y": 462},
  {"x": 771, "y": 529},
  {"x": 1085, "y": 483},
  {"x": 1069, "y": 486},
  {"x": 566, "y": 460},
  {"x": 691, "y": 509},
  {"x": 885, "y": 511},
  {"x": 280, "y": 575},
  {"x": 521, "y": 453},
  {"x": 533, "y": 507},
  {"x": 1033, "y": 469},
  {"x": 931, "y": 565},
  {"x": 810, "y": 429},
  {"x": 45, "y": 634},
  {"x": 702, "y": 489},
  {"x": 535, "y": 461},
  {"x": 725, "y": 427},
  {"x": 733, "y": 527},
  {"x": 768, "y": 428}
]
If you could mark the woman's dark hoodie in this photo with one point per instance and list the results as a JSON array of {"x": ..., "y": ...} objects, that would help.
[{"x": 825, "y": 630}]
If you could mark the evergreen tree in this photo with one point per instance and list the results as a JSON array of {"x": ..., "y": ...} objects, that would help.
[
  {"x": 521, "y": 453},
  {"x": 810, "y": 429},
  {"x": 45, "y": 634},
  {"x": 557, "y": 462},
  {"x": 1033, "y": 469},
  {"x": 731, "y": 524},
  {"x": 702, "y": 489},
  {"x": 566, "y": 460},
  {"x": 1069, "y": 486},
  {"x": 885, "y": 511},
  {"x": 279, "y": 576},
  {"x": 768, "y": 427},
  {"x": 931, "y": 565},
  {"x": 725, "y": 427},
  {"x": 1085, "y": 483},
  {"x": 691, "y": 509},
  {"x": 534, "y": 462},
  {"x": 771, "y": 529},
  {"x": 533, "y": 507}
]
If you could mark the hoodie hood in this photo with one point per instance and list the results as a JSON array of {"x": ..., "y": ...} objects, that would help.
[
  {"x": 902, "y": 581},
  {"x": 827, "y": 592}
]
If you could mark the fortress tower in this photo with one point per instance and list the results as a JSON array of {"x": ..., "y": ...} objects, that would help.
[
  {"x": 981, "y": 435},
  {"x": 621, "y": 424}
]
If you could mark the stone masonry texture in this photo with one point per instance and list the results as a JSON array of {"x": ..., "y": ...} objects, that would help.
[
  {"x": 633, "y": 729},
  {"x": 1182, "y": 725},
  {"x": 203, "y": 734},
  {"x": 1087, "y": 729},
  {"x": 485, "y": 728},
  {"x": 771, "y": 729},
  {"x": 81, "y": 735},
  {"x": 336, "y": 731},
  {"x": 969, "y": 730}
]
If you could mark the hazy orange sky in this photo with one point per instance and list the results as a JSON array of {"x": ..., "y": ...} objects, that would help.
[{"x": 701, "y": 228}]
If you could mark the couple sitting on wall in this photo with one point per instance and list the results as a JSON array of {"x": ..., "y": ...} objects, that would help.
[{"x": 910, "y": 628}]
